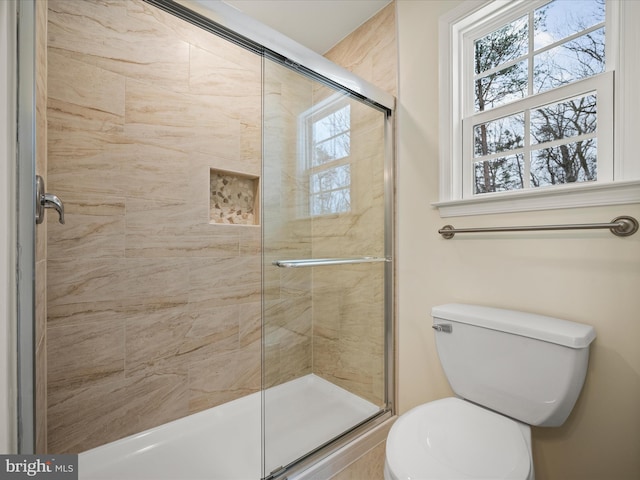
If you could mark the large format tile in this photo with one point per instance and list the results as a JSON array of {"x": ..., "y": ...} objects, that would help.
[
  {"x": 139, "y": 111},
  {"x": 113, "y": 41},
  {"x": 170, "y": 340},
  {"x": 142, "y": 106},
  {"x": 87, "y": 416},
  {"x": 77, "y": 280},
  {"x": 93, "y": 87},
  {"x": 224, "y": 281},
  {"x": 109, "y": 310},
  {"x": 224, "y": 377},
  {"x": 94, "y": 227},
  {"x": 174, "y": 228},
  {"x": 82, "y": 354}
]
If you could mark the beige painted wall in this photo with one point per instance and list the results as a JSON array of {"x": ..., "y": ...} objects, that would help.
[{"x": 589, "y": 277}]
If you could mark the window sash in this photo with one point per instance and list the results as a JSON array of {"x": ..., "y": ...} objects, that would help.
[
  {"x": 601, "y": 84},
  {"x": 620, "y": 51}
]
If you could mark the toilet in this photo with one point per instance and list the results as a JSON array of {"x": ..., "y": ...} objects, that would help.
[{"x": 509, "y": 370}]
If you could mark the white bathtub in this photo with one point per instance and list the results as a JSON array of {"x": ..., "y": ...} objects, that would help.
[{"x": 224, "y": 443}]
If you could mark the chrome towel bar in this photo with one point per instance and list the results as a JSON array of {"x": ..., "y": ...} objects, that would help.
[
  {"x": 620, "y": 226},
  {"x": 320, "y": 262}
]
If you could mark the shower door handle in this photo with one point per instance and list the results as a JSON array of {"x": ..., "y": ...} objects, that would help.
[
  {"x": 320, "y": 262},
  {"x": 46, "y": 200}
]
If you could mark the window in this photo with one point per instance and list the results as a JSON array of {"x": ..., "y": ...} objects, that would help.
[
  {"x": 549, "y": 66},
  {"x": 528, "y": 111},
  {"x": 326, "y": 133}
]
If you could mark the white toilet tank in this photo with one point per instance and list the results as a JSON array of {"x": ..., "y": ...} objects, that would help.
[{"x": 526, "y": 366}]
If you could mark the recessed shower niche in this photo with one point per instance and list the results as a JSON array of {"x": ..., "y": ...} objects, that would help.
[{"x": 233, "y": 198}]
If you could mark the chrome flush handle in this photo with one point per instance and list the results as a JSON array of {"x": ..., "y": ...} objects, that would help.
[
  {"x": 443, "y": 327},
  {"x": 46, "y": 200}
]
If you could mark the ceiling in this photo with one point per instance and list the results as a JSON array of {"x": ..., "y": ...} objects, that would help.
[{"x": 316, "y": 24}]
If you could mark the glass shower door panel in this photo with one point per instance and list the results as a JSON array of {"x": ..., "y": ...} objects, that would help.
[
  {"x": 153, "y": 299},
  {"x": 323, "y": 324}
]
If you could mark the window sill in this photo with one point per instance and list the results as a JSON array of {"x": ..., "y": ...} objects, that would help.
[{"x": 571, "y": 196}]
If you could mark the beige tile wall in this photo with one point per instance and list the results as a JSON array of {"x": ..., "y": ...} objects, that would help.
[
  {"x": 348, "y": 305},
  {"x": 329, "y": 320},
  {"x": 153, "y": 312},
  {"x": 287, "y": 234},
  {"x": 369, "y": 466},
  {"x": 348, "y": 300},
  {"x": 370, "y": 52},
  {"x": 41, "y": 231}
]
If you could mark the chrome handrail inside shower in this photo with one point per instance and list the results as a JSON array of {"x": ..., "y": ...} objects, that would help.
[
  {"x": 321, "y": 262},
  {"x": 619, "y": 226}
]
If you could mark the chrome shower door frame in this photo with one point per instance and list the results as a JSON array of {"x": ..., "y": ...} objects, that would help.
[{"x": 26, "y": 235}]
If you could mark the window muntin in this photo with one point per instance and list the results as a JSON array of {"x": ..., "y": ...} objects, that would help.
[
  {"x": 500, "y": 174},
  {"x": 582, "y": 57},
  {"x": 330, "y": 191},
  {"x": 569, "y": 118},
  {"x": 583, "y": 15},
  {"x": 526, "y": 126},
  {"x": 566, "y": 163},
  {"x": 330, "y": 136},
  {"x": 507, "y": 43},
  {"x": 500, "y": 74},
  {"x": 327, "y": 139},
  {"x": 500, "y": 135},
  {"x": 502, "y": 87}
]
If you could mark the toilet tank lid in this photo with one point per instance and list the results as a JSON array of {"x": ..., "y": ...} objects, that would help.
[{"x": 540, "y": 327}]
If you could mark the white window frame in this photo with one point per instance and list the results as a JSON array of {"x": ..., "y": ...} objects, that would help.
[
  {"x": 618, "y": 183},
  {"x": 306, "y": 120}
]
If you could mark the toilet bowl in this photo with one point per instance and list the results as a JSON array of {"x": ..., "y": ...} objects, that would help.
[
  {"x": 451, "y": 439},
  {"x": 509, "y": 370}
]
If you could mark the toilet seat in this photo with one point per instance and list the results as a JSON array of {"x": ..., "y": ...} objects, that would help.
[{"x": 453, "y": 439}]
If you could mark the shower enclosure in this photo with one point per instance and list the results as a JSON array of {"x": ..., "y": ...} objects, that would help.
[{"x": 228, "y": 233}]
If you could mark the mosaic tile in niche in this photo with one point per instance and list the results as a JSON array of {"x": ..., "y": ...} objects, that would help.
[{"x": 233, "y": 198}]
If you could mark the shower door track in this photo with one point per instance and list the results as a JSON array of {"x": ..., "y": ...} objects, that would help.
[
  {"x": 228, "y": 23},
  {"x": 298, "y": 467}
]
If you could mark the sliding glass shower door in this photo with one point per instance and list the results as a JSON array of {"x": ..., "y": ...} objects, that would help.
[
  {"x": 154, "y": 307},
  {"x": 326, "y": 272}
]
